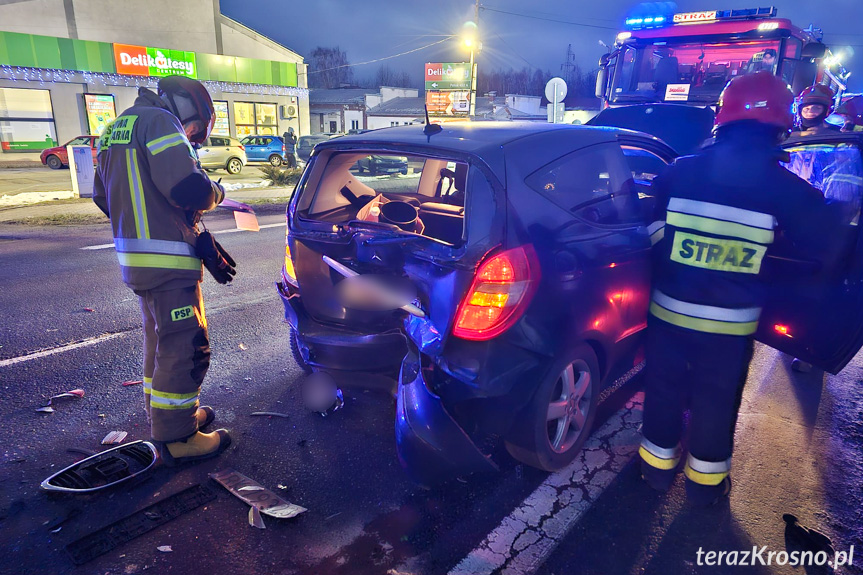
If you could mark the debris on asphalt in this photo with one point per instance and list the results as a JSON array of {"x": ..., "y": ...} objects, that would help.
[
  {"x": 255, "y": 519},
  {"x": 321, "y": 394},
  {"x": 265, "y": 500},
  {"x": 54, "y": 524},
  {"x": 102, "y": 415},
  {"x": 114, "y": 437},
  {"x": 243, "y": 346},
  {"x": 128, "y": 528},
  {"x": 56, "y": 530},
  {"x": 79, "y": 393},
  {"x": 164, "y": 548},
  {"x": 46, "y": 409},
  {"x": 282, "y": 487},
  {"x": 133, "y": 382},
  {"x": 89, "y": 310},
  {"x": 333, "y": 516},
  {"x": 271, "y": 414}
]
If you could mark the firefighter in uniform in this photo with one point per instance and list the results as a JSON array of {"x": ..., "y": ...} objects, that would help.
[
  {"x": 814, "y": 105},
  {"x": 150, "y": 184},
  {"x": 718, "y": 214}
]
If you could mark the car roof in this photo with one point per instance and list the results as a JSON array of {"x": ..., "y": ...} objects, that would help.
[
  {"x": 824, "y": 137},
  {"x": 487, "y": 140}
]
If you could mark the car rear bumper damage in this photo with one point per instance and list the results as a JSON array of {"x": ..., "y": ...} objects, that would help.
[
  {"x": 431, "y": 445},
  {"x": 331, "y": 347}
]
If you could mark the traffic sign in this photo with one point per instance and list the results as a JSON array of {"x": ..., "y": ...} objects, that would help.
[{"x": 447, "y": 76}]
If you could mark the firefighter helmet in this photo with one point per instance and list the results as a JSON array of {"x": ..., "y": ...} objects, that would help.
[
  {"x": 173, "y": 87},
  {"x": 760, "y": 97},
  {"x": 852, "y": 111},
  {"x": 817, "y": 94}
]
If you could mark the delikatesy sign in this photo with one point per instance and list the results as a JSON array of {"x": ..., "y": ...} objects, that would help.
[{"x": 145, "y": 61}]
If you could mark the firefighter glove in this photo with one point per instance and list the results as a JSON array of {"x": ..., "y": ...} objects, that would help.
[{"x": 218, "y": 262}]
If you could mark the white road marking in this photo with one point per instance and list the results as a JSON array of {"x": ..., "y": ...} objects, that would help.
[
  {"x": 231, "y": 231},
  {"x": 61, "y": 349},
  {"x": 525, "y": 539}
]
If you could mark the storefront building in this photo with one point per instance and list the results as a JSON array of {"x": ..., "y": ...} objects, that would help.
[{"x": 54, "y": 88}]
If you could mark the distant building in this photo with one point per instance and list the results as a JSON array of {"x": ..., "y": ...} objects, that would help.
[
  {"x": 68, "y": 67},
  {"x": 337, "y": 111}
]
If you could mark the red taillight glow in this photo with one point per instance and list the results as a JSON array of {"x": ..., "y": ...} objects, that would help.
[
  {"x": 501, "y": 290},
  {"x": 782, "y": 329},
  {"x": 290, "y": 273}
]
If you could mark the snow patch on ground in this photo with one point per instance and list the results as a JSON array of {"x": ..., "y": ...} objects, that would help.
[{"x": 26, "y": 198}]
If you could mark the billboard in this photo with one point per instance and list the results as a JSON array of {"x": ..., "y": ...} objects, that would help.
[
  {"x": 449, "y": 103},
  {"x": 146, "y": 61},
  {"x": 447, "y": 76},
  {"x": 100, "y": 112},
  {"x": 221, "y": 127}
]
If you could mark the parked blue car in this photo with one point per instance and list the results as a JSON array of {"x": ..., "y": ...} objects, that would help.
[{"x": 265, "y": 149}]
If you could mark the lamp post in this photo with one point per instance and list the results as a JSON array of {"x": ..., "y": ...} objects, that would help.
[{"x": 470, "y": 40}]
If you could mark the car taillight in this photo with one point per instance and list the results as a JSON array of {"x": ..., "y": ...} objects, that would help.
[
  {"x": 283, "y": 148},
  {"x": 501, "y": 290},
  {"x": 242, "y": 147},
  {"x": 782, "y": 330},
  {"x": 290, "y": 273}
]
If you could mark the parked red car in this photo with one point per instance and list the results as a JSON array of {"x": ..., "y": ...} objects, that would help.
[{"x": 57, "y": 157}]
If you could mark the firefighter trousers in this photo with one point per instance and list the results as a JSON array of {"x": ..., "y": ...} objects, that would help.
[
  {"x": 176, "y": 359},
  {"x": 705, "y": 373}
]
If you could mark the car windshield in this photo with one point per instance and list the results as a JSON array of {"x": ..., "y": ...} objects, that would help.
[{"x": 691, "y": 71}]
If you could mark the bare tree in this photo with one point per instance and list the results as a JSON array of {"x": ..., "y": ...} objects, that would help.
[
  {"x": 386, "y": 76},
  {"x": 329, "y": 68}
]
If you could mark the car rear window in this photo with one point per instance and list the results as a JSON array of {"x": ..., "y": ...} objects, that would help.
[{"x": 344, "y": 186}]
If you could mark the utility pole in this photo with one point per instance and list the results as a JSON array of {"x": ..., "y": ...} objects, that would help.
[
  {"x": 473, "y": 66},
  {"x": 569, "y": 66}
]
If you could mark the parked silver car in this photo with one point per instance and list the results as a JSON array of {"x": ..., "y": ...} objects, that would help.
[{"x": 222, "y": 152}]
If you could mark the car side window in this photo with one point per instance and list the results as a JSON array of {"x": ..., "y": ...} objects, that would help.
[
  {"x": 593, "y": 183},
  {"x": 836, "y": 169},
  {"x": 79, "y": 142},
  {"x": 643, "y": 165},
  {"x": 216, "y": 141}
]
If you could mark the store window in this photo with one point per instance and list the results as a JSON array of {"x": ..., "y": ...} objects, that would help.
[
  {"x": 222, "y": 126},
  {"x": 26, "y": 120},
  {"x": 355, "y": 124},
  {"x": 254, "y": 118}
]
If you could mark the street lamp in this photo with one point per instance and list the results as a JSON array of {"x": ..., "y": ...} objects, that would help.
[{"x": 469, "y": 36}]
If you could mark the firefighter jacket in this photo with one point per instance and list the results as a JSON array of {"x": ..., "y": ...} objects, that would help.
[
  {"x": 719, "y": 215},
  {"x": 150, "y": 183}
]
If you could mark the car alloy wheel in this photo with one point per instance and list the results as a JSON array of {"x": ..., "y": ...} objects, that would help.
[
  {"x": 235, "y": 166},
  {"x": 276, "y": 160},
  {"x": 567, "y": 415},
  {"x": 549, "y": 432}
]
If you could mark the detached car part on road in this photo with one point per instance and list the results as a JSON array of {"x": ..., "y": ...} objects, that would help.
[{"x": 528, "y": 247}]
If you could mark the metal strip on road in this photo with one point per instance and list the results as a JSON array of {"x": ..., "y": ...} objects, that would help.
[
  {"x": 64, "y": 348},
  {"x": 525, "y": 539},
  {"x": 231, "y": 231}
]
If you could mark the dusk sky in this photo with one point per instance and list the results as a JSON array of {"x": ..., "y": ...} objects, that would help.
[{"x": 514, "y": 33}]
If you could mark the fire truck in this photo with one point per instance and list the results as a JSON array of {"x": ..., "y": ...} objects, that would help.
[{"x": 689, "y": 57}]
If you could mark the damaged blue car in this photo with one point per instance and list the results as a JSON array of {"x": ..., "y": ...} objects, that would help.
[{"x": 505, "y": 279}]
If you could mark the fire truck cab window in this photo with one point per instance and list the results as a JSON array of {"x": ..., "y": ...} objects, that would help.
[{"x": 695, "y": 71}]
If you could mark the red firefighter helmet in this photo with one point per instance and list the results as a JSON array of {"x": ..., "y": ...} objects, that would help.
[
  {"x": 852, "y": 110},
  {"x": 760, "y": 97},
  {"x": 817, "y": 94},
  {"x": 181, "y": 86}
]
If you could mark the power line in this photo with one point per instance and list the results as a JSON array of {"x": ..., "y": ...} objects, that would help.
[
  {"x": 382, "y": 59},
  {"x": 549, "y": 19},
  {"x": 482, "y": 6}
]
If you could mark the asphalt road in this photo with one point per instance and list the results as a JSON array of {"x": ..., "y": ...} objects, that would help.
[
  {"x": 44, "y": 179},
  {"x": 799, "y": 448}
]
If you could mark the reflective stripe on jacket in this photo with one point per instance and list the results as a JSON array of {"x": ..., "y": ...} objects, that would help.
[{"x": 150, "y": 184}]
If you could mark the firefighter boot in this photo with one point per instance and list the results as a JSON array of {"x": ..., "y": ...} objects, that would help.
[
  {"x": 700, "y": 495},
  {"x": 658, "y": 479},
  {"x": 205, "y": 416},
  {"x": 197, "y": 447}
]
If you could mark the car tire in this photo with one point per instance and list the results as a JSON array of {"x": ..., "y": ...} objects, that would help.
[
  {"x": 295, "y": 351},
  {"x": 54, "y": 162},
  {"x": 373, "y": 170},
  {"x": 234, "y": 166},
  {"x": 360, "y": 168},
  {"x": 552, "y": 444},
  {"x": 275, "y": 160}
]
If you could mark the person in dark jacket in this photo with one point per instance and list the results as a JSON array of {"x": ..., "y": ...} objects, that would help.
[
  {"x": 290, "y": 147},
  {"x": 719, "y": 214}
]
